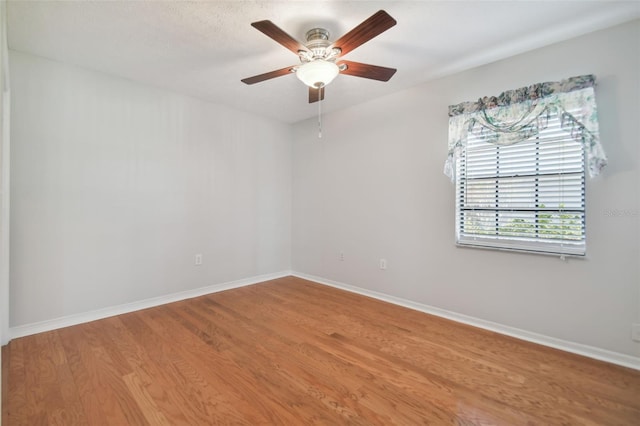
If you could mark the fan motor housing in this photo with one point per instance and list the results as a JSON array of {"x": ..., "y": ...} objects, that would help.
[{"x": 318, "y": 42}]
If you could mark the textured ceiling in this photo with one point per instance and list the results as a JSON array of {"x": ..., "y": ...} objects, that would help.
[{"x": 204, "y": 48}]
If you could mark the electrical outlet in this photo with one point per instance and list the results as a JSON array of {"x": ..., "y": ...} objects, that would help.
[
  {"x": 383, "y": 263},
  {"x": 198, "y": 260},
  {"x": 635, "y": 332},
  {"x": 341, "y": 256}
]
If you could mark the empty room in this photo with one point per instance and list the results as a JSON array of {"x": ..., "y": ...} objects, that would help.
[{"x": 320, "y": 212}]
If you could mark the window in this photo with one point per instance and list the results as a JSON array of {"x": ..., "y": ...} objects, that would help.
[
  {"x": 526, "y": 196},
  {"x": 518, "y": 162}
]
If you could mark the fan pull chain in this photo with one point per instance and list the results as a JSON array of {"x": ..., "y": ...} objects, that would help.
[{"x": 319, "y": 115}]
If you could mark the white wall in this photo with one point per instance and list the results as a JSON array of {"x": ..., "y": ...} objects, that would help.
[
  {"x": 116, "y": 186},
  {"x": 373, "y": 187}
]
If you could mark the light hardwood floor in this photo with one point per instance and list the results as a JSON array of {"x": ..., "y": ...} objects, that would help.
[{"x": 292, "y": 352}]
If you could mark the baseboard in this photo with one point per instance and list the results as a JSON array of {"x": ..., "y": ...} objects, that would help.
[
  {"x": 576, "y": 348},
  {"x": 29, "y": 329}
]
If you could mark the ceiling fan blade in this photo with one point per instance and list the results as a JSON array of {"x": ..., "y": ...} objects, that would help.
[
  {"x": 316, "y": 95},
  {"x": 268, "y": 75},
  {"x": 376, "y": 24},
  {"x": 373, "y": 72},
  {"x": 271, "y": 30}
]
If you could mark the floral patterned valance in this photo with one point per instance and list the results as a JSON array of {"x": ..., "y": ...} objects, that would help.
[
  {"x": 518, "y": 115},
  {"x": 523, "y": 94}
]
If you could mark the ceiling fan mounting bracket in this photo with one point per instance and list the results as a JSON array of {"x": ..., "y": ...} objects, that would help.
[
  {"x": 317, "y": 47},
  {"x": 317, "y": 34}
]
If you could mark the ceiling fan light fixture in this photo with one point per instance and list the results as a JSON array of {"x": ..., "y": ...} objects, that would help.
[{"x": 317, "y": 73}]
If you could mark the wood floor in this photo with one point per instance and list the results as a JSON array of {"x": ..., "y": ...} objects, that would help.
[{"x": 292, "y": 352}]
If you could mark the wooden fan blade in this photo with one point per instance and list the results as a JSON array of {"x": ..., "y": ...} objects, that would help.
[
  {"x": 316, "y": 95},
  {"x": 268, "y": 75},
  {"x": 373, "y": 72},
  {"x": 375, "y": 25},
  {"x": 271, "y": 30}
]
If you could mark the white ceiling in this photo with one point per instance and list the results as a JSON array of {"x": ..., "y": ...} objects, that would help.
[{"x": 204, "y": 48}]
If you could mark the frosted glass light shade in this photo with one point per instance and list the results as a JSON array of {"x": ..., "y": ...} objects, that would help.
[{"x": 317, "y": 73}]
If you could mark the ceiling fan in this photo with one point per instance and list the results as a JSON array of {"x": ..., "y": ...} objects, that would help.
[{"x": 320, "y": 60}]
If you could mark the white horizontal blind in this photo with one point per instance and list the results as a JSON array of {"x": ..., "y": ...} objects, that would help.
[{"x": 527, "y": 196}]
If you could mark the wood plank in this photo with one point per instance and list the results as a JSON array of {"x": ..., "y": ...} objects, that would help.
[
  {"x": 14, "y": 396},
  {"x": 71, "y": 340},
  {"x": 289, "y": 351},
  {"x": 145, "y": 401},
  {"x": 105, "y": 393},
  {"x": 71, "y": 411},
  {"x": 247, "y": 387},
  {"x": 196, "y": 397},
  {"x": 198, "y": 367}
]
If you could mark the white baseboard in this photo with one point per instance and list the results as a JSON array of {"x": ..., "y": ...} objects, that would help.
[
  {"x": 39, "y": 327},
  {"x": 576, "y": 348}
]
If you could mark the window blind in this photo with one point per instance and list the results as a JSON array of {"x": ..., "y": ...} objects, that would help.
[{"x": 527, "y": 196}]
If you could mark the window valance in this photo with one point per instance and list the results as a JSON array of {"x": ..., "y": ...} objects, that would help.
[{"x": 518, "y": 115}]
